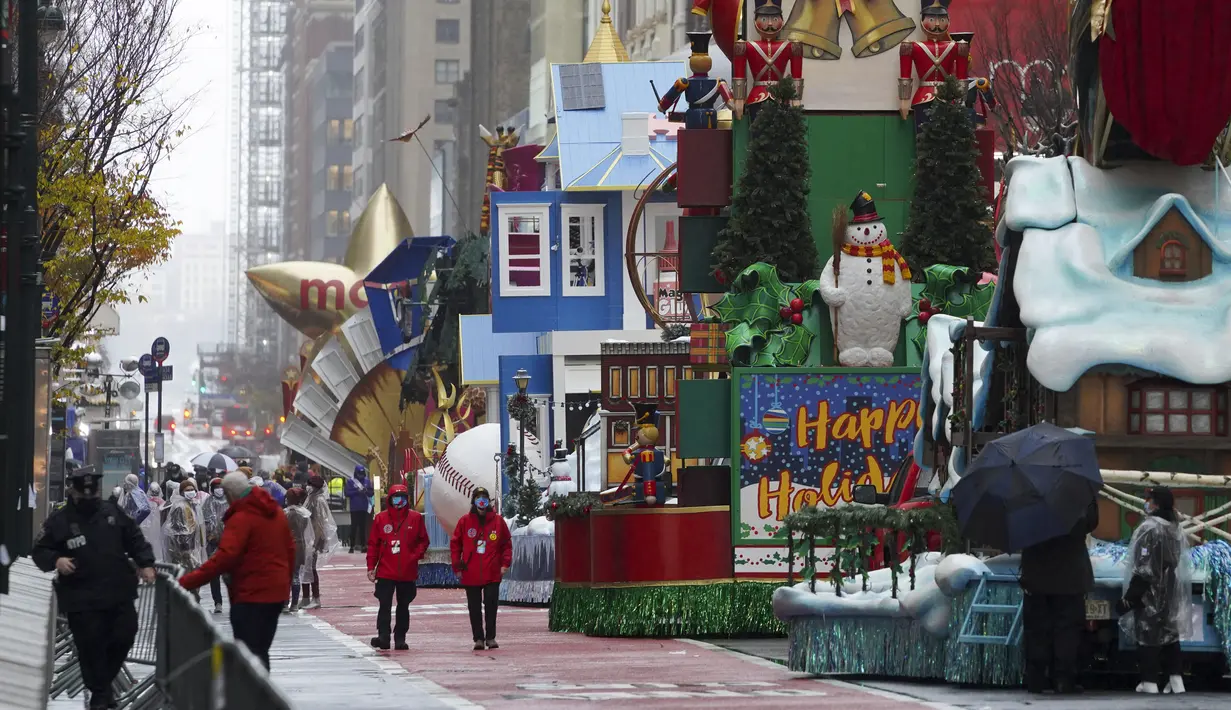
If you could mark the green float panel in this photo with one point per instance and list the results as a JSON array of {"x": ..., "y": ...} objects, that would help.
[
  {"x": 704, "y": 419},
  {"x": 698, "y": 236}
]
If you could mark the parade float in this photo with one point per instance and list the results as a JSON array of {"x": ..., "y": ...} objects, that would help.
[{"x": 1108, "y": 321}]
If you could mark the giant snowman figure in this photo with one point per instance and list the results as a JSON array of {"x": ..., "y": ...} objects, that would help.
[{"x": 866, "y": 284}]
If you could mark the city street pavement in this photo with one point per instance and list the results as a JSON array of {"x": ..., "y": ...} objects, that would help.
[{"x": 535, "y": 668}]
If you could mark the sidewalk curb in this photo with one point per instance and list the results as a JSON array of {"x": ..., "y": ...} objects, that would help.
[
  {"x": 389, "y": 667},
  {"x": 766, "y": 663}
]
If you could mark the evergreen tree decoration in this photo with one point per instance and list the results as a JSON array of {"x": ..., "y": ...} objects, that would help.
[
  {"x": 950, "y": 219},
  {"x": 769, "y": 218},
  {"x": 524, "y": 500}
]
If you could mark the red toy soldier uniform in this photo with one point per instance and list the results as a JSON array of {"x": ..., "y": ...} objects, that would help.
[
  {"x": 768, "y": 60},
  {"x": 933, "y": 60}
]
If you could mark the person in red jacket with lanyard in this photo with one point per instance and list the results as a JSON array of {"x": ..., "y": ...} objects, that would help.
[
  {"x": 397, "y": 541},
  {"x": 482, "y": 552}
]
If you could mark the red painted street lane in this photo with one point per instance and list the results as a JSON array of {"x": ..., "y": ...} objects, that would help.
[{"x": 535, "y": 668}]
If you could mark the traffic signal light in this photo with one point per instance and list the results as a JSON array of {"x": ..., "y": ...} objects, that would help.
[
  {"x": 202, "y": 390},
  {"x": 268, "y": 431},
  {"x": 282, "y": 420},
  {"x": 187, "y": 414}
]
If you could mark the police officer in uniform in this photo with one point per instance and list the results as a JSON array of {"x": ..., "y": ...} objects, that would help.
[{"x": 93, "y": 547}]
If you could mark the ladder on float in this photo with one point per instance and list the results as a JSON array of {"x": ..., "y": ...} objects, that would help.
[{"x": 982, "y": 610}]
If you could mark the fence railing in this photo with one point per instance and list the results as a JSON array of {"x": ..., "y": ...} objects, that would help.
[{"x": 193, "y": 666}]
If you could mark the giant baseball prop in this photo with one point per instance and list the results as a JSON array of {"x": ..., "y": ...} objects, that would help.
[{"x": 470, "y": 462}]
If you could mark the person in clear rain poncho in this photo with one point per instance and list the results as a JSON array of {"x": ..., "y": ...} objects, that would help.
[
  {"x": 301, "y": 530},
  {"x": 141, "y": 508},
  {"x": 1156, "y": 609},
  {"x": 182, "y": 530},
  {"x": 213, "y": 508},
  {"x": 324, "y": 538}
]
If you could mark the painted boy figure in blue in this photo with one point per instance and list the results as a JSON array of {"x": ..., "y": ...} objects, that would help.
[
  {"x": 649, "y": 464},
  {"x": 702, "y": 92}
]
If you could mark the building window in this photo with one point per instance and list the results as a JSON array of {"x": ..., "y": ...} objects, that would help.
[
  {"x": 333, "y": 177},
  {"x": 359, "y": 39},
  {"x": 651, "y": 382},
  {"x": 525, "y": 264},
  {"x": 583, "y": 230},
  {"x": 634, "y": 382},
  {"x": 687, "y": 372},
  {"x": 1159, "y": 409},
  {"x": 344, "y": 223},
  {"x": 669, "y": 383},
  {"x": 619, "y": 434},
  {"x": 444, "y": 112},
  {"x": 360, "y": 87},
  {"x": 613, "y": 383},
  {"x": 448, "y": 71},
  {"x": 1173, "y": 259},
  {"x": 333, "y": 224},
  {"x": 348, "y": 131},
  {"x": 348, "y": 178},
  {"x": 448, "y": 31}
]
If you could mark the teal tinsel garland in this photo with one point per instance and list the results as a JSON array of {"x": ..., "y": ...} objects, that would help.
[
  {"x": 721, "y": 609},
  {"x": 1215, "y": 559},
  {"x": 984, "y": 664},
  {"x": 874, "y": 646}
]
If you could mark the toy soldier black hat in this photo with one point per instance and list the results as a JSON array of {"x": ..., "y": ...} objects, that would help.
[
  {"x": 936, "y": 7},
  {"x": 647, "y": 414},
  {"x": 768, "y": 7},
  {"x": 700, "y": 42},
  {"x": 864, "y": 208}
]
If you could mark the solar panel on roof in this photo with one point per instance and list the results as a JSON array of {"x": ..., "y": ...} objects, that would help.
[{"x": 581, "y": 87}]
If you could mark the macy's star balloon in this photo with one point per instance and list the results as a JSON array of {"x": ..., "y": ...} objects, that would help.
[{"x": 315, "y": 297}]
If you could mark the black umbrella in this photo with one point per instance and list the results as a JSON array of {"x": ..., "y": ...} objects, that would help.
[
  {"x": 237, "y": 452},
  {"x": 1027, "y": 487},
  {"x": 214, "y": 462}
]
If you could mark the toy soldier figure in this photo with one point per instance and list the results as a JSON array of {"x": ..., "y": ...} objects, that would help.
[
  {"x": 769, "y": 60},
  {"x": 702, "y": 92},
  {"x": 648, "y": 463},
  {"x": 934, "y": 59}
]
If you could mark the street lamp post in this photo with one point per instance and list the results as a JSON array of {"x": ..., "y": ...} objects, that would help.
[{"x": 522, "y": 379}]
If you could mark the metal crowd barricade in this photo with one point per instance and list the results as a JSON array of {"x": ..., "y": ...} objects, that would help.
[{"x": 190, "y": 665}]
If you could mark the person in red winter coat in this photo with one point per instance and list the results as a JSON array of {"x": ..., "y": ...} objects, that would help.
[
  {"x": 396, "y": 543},
  {"x": 482, "y": 552}
]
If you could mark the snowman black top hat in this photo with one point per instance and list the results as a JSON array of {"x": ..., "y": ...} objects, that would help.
[{"x": 864, "y": 208}]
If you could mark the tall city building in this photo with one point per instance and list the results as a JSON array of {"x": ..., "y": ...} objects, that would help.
[
  {"x": 257, "y": 131},
  {"x": 557, "y": 36},
  {"x": 409, "y": 57},
  {"x": 492, "y": 93},
  {"x": 650, "y": 29},
  {"x": 320, "y": 129}
]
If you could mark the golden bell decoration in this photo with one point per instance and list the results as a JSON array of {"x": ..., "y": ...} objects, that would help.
[
  {"x": 876, "y": 25},
  {"x": 316, "y": 297}
]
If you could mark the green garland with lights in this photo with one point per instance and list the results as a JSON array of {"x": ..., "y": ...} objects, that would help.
[
  {"x": 573, "y": 505},
  {"x": 851, "y": 531},
  {"x": 521, "y": 410},
  {"x": 720, "y": 609}
]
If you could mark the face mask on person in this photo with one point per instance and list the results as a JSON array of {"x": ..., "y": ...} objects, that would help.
[
  {"x": 219, "y": 493},
  {"x": 190, "y": 494},
  {"x": 482, "y": 503},
  {"x": 398, "y": 501}
]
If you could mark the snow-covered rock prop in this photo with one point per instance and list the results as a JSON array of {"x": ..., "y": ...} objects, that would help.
[
  {"x": 1074, "y": 281},
  {"x": 867, "y": 288}
]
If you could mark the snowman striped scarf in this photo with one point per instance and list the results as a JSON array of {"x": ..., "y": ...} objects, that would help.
[{"x": 888, "y": 256}]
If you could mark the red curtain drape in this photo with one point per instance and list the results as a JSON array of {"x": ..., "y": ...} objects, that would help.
[{"x": 1167, "y": 74}]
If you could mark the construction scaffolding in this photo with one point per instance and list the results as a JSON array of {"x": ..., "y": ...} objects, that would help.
[{"x": 258, "y": 105}]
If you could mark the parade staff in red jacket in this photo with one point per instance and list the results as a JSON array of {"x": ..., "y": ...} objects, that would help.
[
  {"x": 396, "y": 543},
  {"x": 482, "y": 552}
]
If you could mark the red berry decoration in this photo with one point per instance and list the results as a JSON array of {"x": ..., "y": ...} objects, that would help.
[
  {"x": 586, "y": 510},
  {"x": 719, "y": 276},
  {"x": 924, "y": 317},
  {"x": 797, "y": 318},
  {"x": 785, "y": 312},
  {"x": 924, "y": 305},
  {"x": 797, "y": 305},
  {"x": 554, "y": 505}
]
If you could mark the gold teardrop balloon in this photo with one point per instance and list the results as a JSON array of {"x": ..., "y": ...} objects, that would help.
[{"x": 315, "y": 296}]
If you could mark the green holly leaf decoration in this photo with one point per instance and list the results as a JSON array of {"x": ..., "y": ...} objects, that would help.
[
  {"x": 759, "y": 337},
  {"x": 744, "y": 341},
  {"x": 939, "y": 279},
  {"x": 758, "y": 308},
  {"x": 920, "y": 340},
  {"x": 975, "y": 302},
  {"x": 761, "y": 276},
  {"x": 790, "y": 346}
]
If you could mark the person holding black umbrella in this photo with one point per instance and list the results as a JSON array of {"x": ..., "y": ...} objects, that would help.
[{"x": 1036, "y": 491}]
